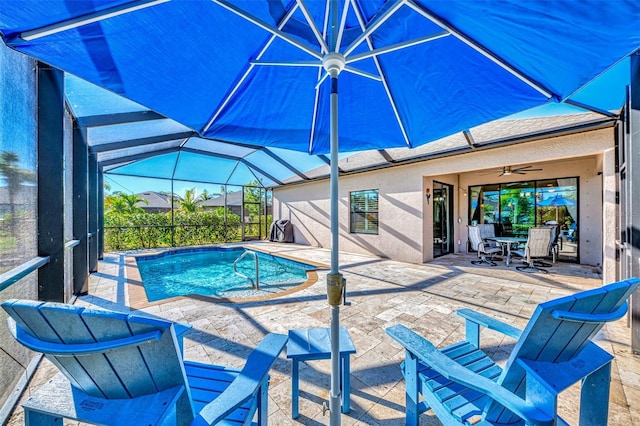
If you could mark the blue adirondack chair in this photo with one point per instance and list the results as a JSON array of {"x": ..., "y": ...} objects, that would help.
[
  {"x": 125, "y": 369},
  {"x": 555, "y": 350}
]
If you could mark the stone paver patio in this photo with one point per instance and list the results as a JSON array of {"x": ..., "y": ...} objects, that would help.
[{"x": 381, "y": 293}]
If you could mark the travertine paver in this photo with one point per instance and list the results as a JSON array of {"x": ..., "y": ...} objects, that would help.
[{"x": 381, "y": 293}]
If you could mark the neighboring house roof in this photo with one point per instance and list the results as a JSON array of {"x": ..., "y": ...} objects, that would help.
[
  {"x": 233, "y": 199},
  {"x": 156, "y": 200},
  {"x": 494, "y": 134}
]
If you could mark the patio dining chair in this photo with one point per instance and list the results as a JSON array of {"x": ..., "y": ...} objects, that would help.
[
  {"x": 487, "y": 231},
  {"x": 483, "y": 248},
  {"x": 537, "y": 246},
  {"x": 554, "y": 246},
  {"x": 464, "y": 386},
  {"x": 126, "y": 369}
]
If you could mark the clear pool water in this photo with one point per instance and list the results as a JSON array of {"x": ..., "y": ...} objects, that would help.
[{"x": 209, "y": 272}]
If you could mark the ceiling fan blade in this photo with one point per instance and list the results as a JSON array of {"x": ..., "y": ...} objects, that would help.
[{"x": 525, "y": 169}]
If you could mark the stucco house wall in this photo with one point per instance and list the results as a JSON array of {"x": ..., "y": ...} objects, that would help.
[
  {"x": 405, "y": 229},
  {"x": 307, "y": 206}
]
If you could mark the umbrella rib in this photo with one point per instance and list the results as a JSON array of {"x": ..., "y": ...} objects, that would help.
[
  {"x": 287, "y": 63},
  {"x": 363, "y": 73},
  {"x": 480, "y": 49},
  {"x": 227, "y": 99},
  {"x": 397, "y": 46},
  {"x": 316, "y": 103},
  {"x": 88, "y": 19},
  {"x": 343, "y": 24},
  {"x": 313, "y": 25},
  {"x": 321, "y": 78},
  {"x": 374, "y": 25},
  {"x": 265, "y": 26},
  {"x": 383, "y": 80}
]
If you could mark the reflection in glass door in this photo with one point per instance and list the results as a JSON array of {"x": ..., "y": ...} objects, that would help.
[{"x": 442, "y": 219}]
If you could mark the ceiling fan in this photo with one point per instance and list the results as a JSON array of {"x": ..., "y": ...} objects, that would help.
[{"x": 508, "y": 170}]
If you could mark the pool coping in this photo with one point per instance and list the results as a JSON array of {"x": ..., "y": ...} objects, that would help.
[{"x": 138, "y": 296}]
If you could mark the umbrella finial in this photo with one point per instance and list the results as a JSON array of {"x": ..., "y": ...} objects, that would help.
[{"x": 333, "y": 63}]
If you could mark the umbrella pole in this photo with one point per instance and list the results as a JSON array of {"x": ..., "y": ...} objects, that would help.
[
  {"x": 333, "y": 62},
  {"x": 335, "y": 282}
]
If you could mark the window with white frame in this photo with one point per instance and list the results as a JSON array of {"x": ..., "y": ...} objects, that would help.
[{"x": 363, "y": 210}]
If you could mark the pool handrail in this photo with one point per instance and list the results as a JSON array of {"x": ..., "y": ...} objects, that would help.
[{"x": 255, "y": 256}]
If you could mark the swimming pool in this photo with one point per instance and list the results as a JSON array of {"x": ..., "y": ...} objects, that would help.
[{"x": 209, "y": 272}]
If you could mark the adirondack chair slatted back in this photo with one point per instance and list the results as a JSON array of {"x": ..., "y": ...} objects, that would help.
[
  {"x": 123, "y": 373},
  {"x": 549, "y": 338}
]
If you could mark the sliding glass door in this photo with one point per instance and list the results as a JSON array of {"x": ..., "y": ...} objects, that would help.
[{"x": 515, "y": 207}]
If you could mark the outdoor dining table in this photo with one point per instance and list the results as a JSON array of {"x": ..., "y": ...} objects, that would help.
[{"x": 508, "y": 243}]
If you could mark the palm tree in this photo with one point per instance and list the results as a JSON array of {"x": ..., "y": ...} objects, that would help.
[
  {"x": 206, "y": 196},
  {"x": 190, "y": 203},
  {"x": 14, "y": 176},
  {"x": 121, "y": 203}
]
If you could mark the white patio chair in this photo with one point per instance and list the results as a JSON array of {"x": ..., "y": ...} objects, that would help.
[
  {"x": 537, "y": 246},
  {"x": 483, "y": 248}
]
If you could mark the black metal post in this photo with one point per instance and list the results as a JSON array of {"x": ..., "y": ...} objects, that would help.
[
  {"x": 100, "y": 213},
  {"x": 80, "y": 213},
  {"x": 51, "y": 241},
  {"x": 92, "y": 212}
]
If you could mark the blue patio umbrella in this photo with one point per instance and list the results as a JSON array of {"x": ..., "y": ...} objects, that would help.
[
  {"x": 556, "y": 201},
  {"x": 266, "y": 72}
]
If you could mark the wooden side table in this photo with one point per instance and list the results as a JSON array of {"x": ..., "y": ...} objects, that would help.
[{"x": 315, "y": 343}]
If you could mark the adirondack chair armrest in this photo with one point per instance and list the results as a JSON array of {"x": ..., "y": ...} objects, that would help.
[
  {"x": 180, "y": 330},
  {"x": 78, "y": 349},
  {"x": 591, "y": 318},
  {"x": 248, "y": 382},
  {"x": 476, "y": 319},
  {"x": 428, "y": 354}
]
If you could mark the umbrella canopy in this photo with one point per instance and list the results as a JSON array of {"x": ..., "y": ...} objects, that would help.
[
  {"x": 266, "y": 72},
  {"x": 252, "y": 71}
]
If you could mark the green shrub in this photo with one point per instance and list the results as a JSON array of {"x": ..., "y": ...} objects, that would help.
[{"x": 151, "y": 230}]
